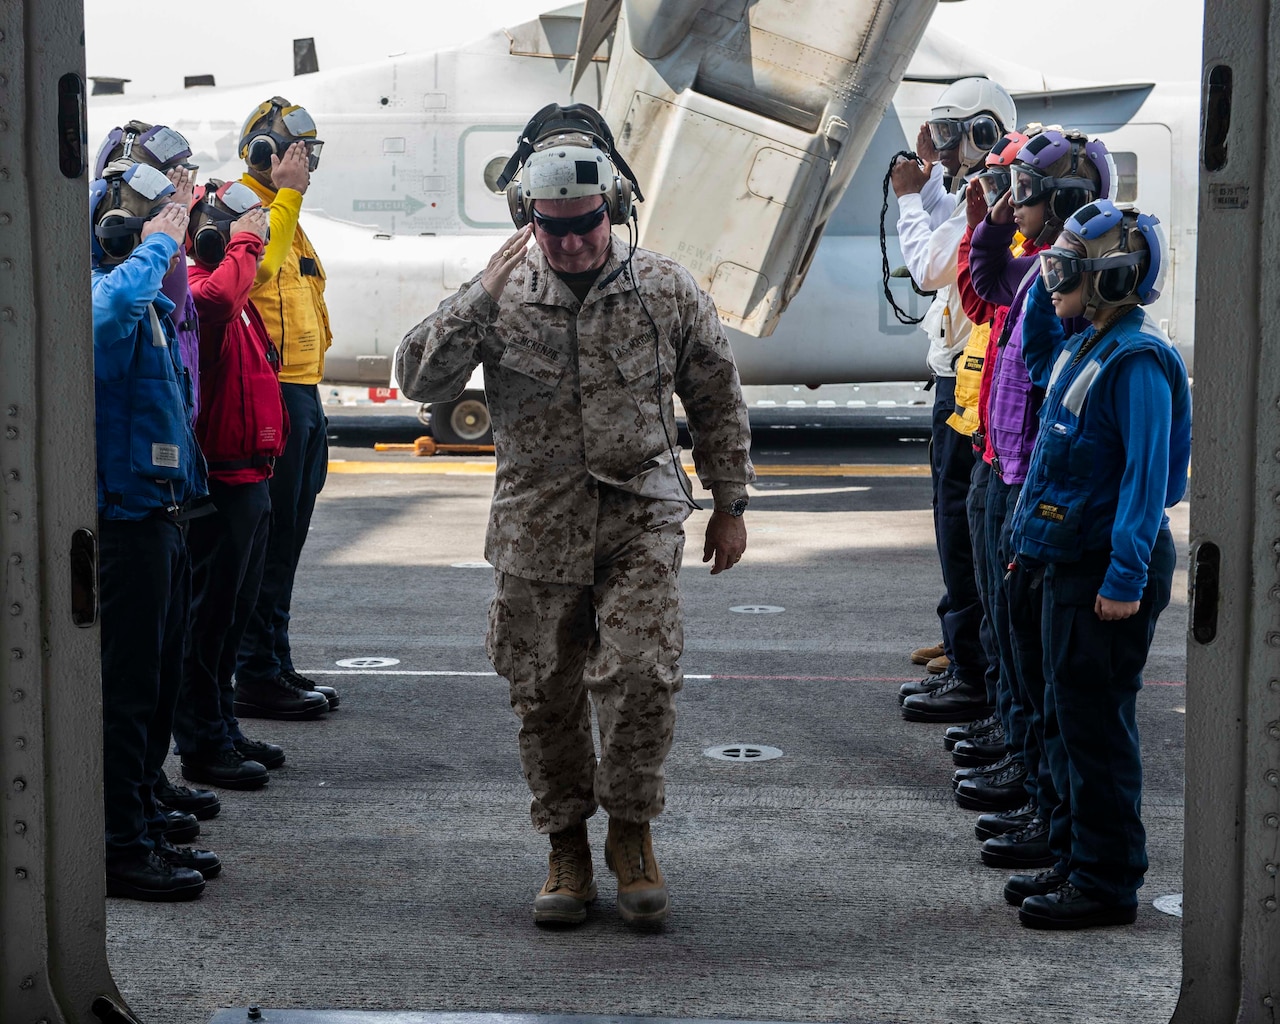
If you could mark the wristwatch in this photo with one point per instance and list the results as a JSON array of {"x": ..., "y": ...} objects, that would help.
[{"x": 738, "y": 507}]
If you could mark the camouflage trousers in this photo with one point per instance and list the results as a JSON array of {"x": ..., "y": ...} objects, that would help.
[{"x": 619, "y": 641}]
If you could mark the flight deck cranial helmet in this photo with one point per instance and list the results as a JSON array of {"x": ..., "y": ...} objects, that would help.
[
  {"x": 1056, "y": 165},
  {"x": 971, "y": 114},
  {"x": 995, "y": 175},
  {"x": 214, "y": 207},
  {"x": 1123, "y": 259},
  {"x": 274, "y": 126},
  {"x": 565, "y": 153},
  {"x": 120, "y": 203},
  {"x": 157, "y": 145}
]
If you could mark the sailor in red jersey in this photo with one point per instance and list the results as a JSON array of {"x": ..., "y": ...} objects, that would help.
[{"x": 242, "y": 427}]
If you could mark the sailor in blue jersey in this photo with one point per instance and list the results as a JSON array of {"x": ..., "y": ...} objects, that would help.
[
  {"x": 1093, "y": 539},
  {"x": 151, "y": 479}
]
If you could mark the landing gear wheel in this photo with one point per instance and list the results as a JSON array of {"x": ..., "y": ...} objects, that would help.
[{"x": 465, "y": 420}]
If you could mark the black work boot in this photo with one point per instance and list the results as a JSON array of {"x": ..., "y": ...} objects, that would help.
[
  {"x": 960, "y": 774},
  {"x": 205, "y": 861},
  {"x": 1019, "y": 887},
  {"x": 1000, "y": 792},
  {"x": 926, "y": 685},
  {"x": 148, "y": 877},
  {"x": 985, "y": 748},
  {"x": 997, "y": 823},
  {"x": 957, "y": 701},
  {"x": 1027, "y": 847},
  {"x": 570, "y": 883},
  {"x": 269, "y": 755},
  {"x": 227, "y": 768},
  {"x": 278, "y": 698},
  {"x": 956, "y": 733},
  {"x": 1069, "y": 908},
  {"x": 201, "y": 804},
  {"x": 303, "y": 683}
]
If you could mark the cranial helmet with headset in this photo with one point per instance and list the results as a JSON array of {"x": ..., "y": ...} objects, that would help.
[
  {"x": 1064, "y": 168},
  {"x": 214, "y": 207},
  {"x": 1123, "y": 261},
  {"x": 120, "y": 202},
  {"x": 157, "y": 145},
  {"x": 274, "y": 126},
  {"x": 566, "y": 153},
  {"x": 971, "y": 114}
]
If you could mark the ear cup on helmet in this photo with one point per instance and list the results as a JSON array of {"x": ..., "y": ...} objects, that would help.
[
  {"x": 1116, "y": 284},
  {"x": 208, "y": 246},
  {"x": 261, "y": 149},
  {"x": 619, "y": 198},
  {"x": 1067, "y": 200},
  {"x": 115, "y": 244},
  {"x": 516, "y": 205}
]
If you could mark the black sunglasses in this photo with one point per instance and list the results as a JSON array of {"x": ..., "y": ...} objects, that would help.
[{"x": 558, "y": 227}]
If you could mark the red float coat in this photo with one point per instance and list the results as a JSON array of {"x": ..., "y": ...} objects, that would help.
[{"x": 243, "y": 424}]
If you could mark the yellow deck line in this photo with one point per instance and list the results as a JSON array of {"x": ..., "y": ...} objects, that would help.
[{"x": 379, "y": 468}]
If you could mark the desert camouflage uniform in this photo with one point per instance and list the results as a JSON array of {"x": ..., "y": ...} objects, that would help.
[{"x": 585, "y": 531}]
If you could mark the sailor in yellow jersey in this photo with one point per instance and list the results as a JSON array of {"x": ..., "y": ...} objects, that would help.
[{"x": 281, "y": 150}]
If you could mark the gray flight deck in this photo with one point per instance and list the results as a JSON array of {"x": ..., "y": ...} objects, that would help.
[{"x": 390, "y": 865}]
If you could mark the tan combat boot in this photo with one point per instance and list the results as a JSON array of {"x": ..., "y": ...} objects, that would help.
[
  {"x": 570, "y": 885},
  {"x": 924, "y": 655},
  {"x": 642, "y": 891},
  {"x": 938, "y": 665}
]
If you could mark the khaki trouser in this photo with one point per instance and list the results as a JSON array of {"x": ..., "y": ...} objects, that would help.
[{"x": 618, "y": 640}]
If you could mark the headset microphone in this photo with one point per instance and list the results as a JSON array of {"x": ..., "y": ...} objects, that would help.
[{"x": 614, "y": 276}]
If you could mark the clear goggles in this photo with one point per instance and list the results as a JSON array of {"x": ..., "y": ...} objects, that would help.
[
  {"x": 148, "y": 182},
  {"x": 1030, "y": 186},
  {"x": 1062, "y": 269},
  {"x": 995, "y": 183},
  {"x": 558, "y": 227},
  {"x": 948, "y": 132}
]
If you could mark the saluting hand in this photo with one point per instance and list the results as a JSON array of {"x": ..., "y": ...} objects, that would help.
[
  {"x": 183, "y": 180},
  {"x": 925, "y": 149},
  {"x": 975, "y": 203},
  {"x": 1002, "y": 212},
  {"x": 291, "y": 170},
  {"x": 505, "y": 260},
  {"x": 255, "y": 221},
  {"x": 171, "y": 221}
]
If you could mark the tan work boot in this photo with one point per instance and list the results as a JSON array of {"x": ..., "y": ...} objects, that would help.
[
  {"x": 939, "y": 664},
  {"x": 924, "y": 655},
  {"x": 642, "y": 891},
  {"x": 570, "y": 884}
]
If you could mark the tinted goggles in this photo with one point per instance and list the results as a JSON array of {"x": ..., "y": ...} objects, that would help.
[
  {"x": 1030, "y": 186},
  {"x": 995, "y": 183},
  {"x": 1062, "y": 269},
  {"x": 948, "y": 132},
  {"x": 558, "y": 227}
]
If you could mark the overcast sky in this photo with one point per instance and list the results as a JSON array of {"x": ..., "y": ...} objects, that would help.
[{"x": 246, "y": 41}]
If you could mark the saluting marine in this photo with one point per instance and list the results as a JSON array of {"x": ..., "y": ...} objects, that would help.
[{"x": 584, "y": 342}]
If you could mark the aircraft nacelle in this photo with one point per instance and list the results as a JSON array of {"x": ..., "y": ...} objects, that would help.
[{"x": 746, "y": 123}]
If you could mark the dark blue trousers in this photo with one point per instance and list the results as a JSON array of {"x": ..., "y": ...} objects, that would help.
[
  {"x": 977, "y": 506},
  {"x": 145, "y": 590},
  {"x": 996, "y": 604},
  {"x": 1093, "y": 672},
  {"x": 960, "y": 610},
  {"x": 228, "y": 550},
  {"x": 299, "y": 476}
]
